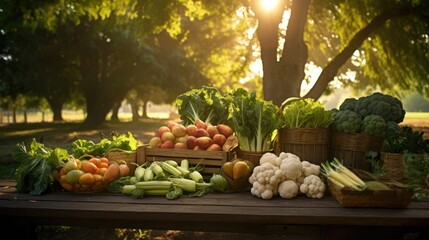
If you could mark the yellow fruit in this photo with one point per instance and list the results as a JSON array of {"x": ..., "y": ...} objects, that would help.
[
  {"x": 240, "y": 170},
  {"x": 227, "y": 169}
]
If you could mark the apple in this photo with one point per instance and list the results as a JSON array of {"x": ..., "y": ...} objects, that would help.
[
  {"x": 191, "y": 142},
  {"x": 214, "y": 147},
  {"x": 179, "y": 130},
  {"x": 167, "y": 144},
  {"x": 191, "y": 129},
  {"x": 180, "y": 145},
  {"x": 204, "y": 142},
  {"x": 212, "y": 130},
  {"x": 219, "y": 139},
  {"x": 224, "y": 130},
  {"x": 162, "y": 130},
  {"x": 170, "y": 125},
  {"x": 168, "y": 136},
  {"x": 155, "y": 142},
  {"x": 181, "y": 139},
  {"x": 201, "y": 133}
]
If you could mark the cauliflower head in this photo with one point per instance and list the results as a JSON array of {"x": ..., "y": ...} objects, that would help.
[{"x": 313, "y": 187}]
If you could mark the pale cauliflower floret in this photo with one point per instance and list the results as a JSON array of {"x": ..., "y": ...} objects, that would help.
[
  {"x": 300, "y": 180},
  {"x": 269, "y": 158},
  {"x": 291, "y": 167},
  {"x": 288, "y": 189},
  {"x": 310, "y": 168},
  {"x": 313, "y": 186},
  {"x": 284, "y": 155},
  {"x": 265, "y": 179}
]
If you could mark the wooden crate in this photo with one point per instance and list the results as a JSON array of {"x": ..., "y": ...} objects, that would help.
[
  {"x": 129, "y": 157},
  {"x": 211, "y": 160}
]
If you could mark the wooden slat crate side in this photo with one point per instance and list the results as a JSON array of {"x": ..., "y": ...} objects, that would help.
[
  {"x": 185, "y": 153},
  {"x": 129, "y": 157},
  {"x": 211, "y": 160}
]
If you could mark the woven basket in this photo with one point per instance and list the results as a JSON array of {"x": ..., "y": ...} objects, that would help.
[
  {"x": 309, "y": 144},
  {"x": 250, "y": 156},
  {"x": 393, "y": 198},
  {"x": 352, "y": 148},
  {"x": 393, "y": 164}
]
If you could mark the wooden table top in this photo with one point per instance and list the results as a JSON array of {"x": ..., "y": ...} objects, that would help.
[{"x": 238, "y": 212}]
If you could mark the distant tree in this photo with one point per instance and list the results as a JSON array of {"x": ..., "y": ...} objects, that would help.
[{"x": 415, "y": 102}]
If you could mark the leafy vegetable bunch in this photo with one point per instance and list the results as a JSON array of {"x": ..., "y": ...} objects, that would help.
[
  {"x": 206, "y": 104},
  {"x": 404, "y": 140},
  {"x": 33, "y": 174},
  {"x": 369, "y": 114},
  {"x": 305, "y": 113},
  {"x": 122, "y": 142},
  {"x": 255, "y": 121}
]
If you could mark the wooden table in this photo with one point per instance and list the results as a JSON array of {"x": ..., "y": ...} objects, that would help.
[{"x": 227, "y": 212}]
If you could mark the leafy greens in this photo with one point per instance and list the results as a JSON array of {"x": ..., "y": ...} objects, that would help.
[
  {"x": 255, "y": 121},
  {"x": 33, "y": 174},
  {"x": 305, "y": 113},
  {"x": 206, "y": 104}
]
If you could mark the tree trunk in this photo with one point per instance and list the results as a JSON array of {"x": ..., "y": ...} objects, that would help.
[
  {"x": 14, "y": 114},
  {"x": 115, "y": 111},
  {"x": 144, "y": 109},
  {"x": 135, "y": 110},
  {"x": 56, "y": 107},
  {"x": 282, "y": 79},
  {"x": 25, "y": 116}
]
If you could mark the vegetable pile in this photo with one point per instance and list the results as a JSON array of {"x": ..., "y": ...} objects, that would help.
[
  {"x": 198, "y": 136},
  {"x": 91, "y": 175},
  {"x": 39, "y": 165},
  {"x": 369, "y": 114},
  {"x": 305, "y": 113},
  {"x": 169, "y": 179},
  {"x": 286, "y": 175}
]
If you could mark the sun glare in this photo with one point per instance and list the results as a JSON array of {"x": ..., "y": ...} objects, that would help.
[{"x": 268, "y": 5}]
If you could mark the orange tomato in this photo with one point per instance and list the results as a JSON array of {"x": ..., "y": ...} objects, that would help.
[
  {"x": 101, "y": 171},
  {"x": 95, "y": 161},
  {"x": 87, "y": 179},
  {"x": 104, "y": 160},
  {"x": 88, "y": 167},
  {"x": 103, "y": 165},
  {"x": 67, "y": 186},
  {"x": 97, "y": 178}
]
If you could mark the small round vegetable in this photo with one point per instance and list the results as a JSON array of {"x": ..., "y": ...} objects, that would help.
[{"x": 124, "y": 170}]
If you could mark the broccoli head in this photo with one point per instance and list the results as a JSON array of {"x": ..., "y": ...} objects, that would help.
[
  {"x": 387, "y": 106},
  {"x": 374, "y": 125},
  {"x": 346, "y": 121},
  {"x": 348, "y": 104}
]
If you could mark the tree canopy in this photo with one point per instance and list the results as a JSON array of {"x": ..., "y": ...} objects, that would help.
[{"x": 102, "y": 49}]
